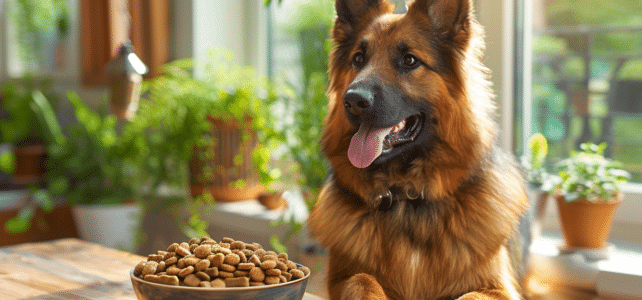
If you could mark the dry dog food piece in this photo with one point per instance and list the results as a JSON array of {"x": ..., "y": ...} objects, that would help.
[
  {"x": 169, "y": 280},
  {"x": 202, "y": 265},
  {"x": 305, "y": 270},
  {"x": 225, "y": 274},
  {"x": 149, "y": 269},
  {"x": 256, "y": 274},
  {"x": 218, "y": 282},
  {"x": 187, "y": 271},
  {"x": 227, "y": 268},
  {"x": 268, "y": 264},
  {"x": 232, "y": 259},
  {"x": 139, "y": 268},
  {"x": 255, "y": 260},
  {"x": 272, "y": 279},
  {"x": 182, "y": 251},
  {"x": 237, "y": 282},
  {"x": 192, "y": 280},
  {"x": 203, "y": 276},
  {"x": 202, "y": 251},
  {"x": 202, "y": 262},
  {"x": 245, "y": 266},
  {"x": 296, "y": 273}
]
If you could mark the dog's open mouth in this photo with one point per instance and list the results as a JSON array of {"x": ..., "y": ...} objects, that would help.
[{"x": 369, "y": 142}]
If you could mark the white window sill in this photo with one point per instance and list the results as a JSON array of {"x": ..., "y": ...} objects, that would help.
[{"x": 619, "y": 276}]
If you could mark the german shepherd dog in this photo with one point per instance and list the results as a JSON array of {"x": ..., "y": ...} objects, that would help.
[{"x": 421, "y": 203}]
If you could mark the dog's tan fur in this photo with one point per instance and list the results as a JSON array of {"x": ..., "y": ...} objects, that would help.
[{"x": 458, "y": 247}]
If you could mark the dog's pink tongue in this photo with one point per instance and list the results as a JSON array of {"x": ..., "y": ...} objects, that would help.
[{"x": 366, "y": 145}]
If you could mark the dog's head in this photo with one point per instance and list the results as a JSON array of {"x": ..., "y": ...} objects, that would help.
[{"x": 409, "y": 96}]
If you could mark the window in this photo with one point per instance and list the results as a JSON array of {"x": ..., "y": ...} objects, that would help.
[{"x": 581, "y": 82}]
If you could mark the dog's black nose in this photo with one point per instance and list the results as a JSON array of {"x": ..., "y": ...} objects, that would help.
[{"x": 357, "y": 100}]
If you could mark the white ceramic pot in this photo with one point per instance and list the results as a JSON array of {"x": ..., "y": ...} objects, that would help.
[{"x": 109, "y": 225}]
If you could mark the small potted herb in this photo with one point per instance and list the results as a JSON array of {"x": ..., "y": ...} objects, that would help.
[{"x": 587, "y": 190}]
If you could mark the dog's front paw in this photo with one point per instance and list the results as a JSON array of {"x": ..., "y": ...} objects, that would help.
[{"x": 363, "y": 286}]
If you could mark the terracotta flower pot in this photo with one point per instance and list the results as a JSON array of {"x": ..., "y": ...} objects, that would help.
[
  {"x": 213, "y": 169},
  {"x": 586, "y": 224},
  {"x": 30, "y": 164}
]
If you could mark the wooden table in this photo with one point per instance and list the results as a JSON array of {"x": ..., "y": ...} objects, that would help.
[{"x": 68, "y": 269}]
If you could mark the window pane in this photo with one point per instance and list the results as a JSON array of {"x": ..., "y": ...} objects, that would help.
[{"x": 587, "y": 77}]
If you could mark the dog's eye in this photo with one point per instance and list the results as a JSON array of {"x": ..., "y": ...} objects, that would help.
[
  {"x": 409, "y": 60},
  {"x": 358, "y": 59}
]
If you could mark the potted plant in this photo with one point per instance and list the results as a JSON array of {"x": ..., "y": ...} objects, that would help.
[
  {"x": 587, "y": 190},
  {"x": 22, "y": 129},
  {"x": 88, "y": 168},
  {"x": 213, "y": 116}
]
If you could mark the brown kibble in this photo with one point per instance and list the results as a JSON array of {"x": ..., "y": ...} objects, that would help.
[
  {"x": 202, "y": 265},
  {"x": 203, "y": 276},
  {"x": 161, "y": 273},
  {"x": 173, "y": 270},
  {"x": 139, "y": 268},
  {"x": 238, "y": 273},
  {"x": 268, "y": 264},
  {"x": 216, "y": 260},
  {"x": 237, "y": 282},
  {"x": 248, "y": 252},
  {"x": 172, "y": 247},
  {"x": 256, "y": 283},
  {"x": 272, "y": 280},
  {"x": 273, "y": 272},
  {"x": 224, "y": 251},
  {"x": 245, "y": 266},
  {"x": 161, "y": 267},
  {"x": 169, "y": 255},
  {"x": 186, "y": 271},
  {"x": 282, "y": 279},
  {"x": 256, "y": 274},
  {"x": 227, "y": 268},
  {"x": 154, "y": 257},
  {"x": 283, "y": 256},
  {"x": 194, "y": 240},
  {"x": 152, "y": 278},
  {"x": 184, "y": 245},
  {"x": 270, "y": 257},
  {"x": 213, "y": 272},
  {"x": 192, "y": 247},
  {"x": 218, "y": 282},
  {"x": 305, "y": 270},
  {"x": 252, "y": 247},
  {"x": 260, "y": 253},
  {"x": 169, "y": 280},
  {"x": 161, "y": 252},
  {"x": 232, "y": 259},
  {"x": 227, "y": 240},
  {"x": 182, "y": 251},
  {"x": 149, "y": 269},
  {"x": 192, "y": 280},
  {"x": 237, "y": 245},
  {"x": 271, "y": 253},
  {"x": 296, "y": 273},
  {"x": 287, "y": 275},
  {"x": 172, "y": 260},
  {"x": 224, "y": 245},
  {"x": 242, "y": 257},
  {"x": 255, "y": 260},
  {"x": 225, "y": 274},
  {"x": 209, "y": 242},
  {"x": 291, "y": 265},
  {"x": 202, "y": 251},
  {"x": 281, "y": 266},
  {"x": 205, "y": 284}
]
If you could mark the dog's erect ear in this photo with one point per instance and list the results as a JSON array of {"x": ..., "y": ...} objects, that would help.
[
  {"x": 357, "y": 13},
  {"x": 447, "y": 17}
]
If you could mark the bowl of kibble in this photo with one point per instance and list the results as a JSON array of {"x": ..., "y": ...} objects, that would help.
[{"x": 206, "y": 269}]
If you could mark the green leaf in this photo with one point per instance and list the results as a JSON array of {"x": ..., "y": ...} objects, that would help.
[
  {"x": 275, "y": 242},
  {"x": 7, "y": 162},
  {"x": 538, "y": 147}
]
